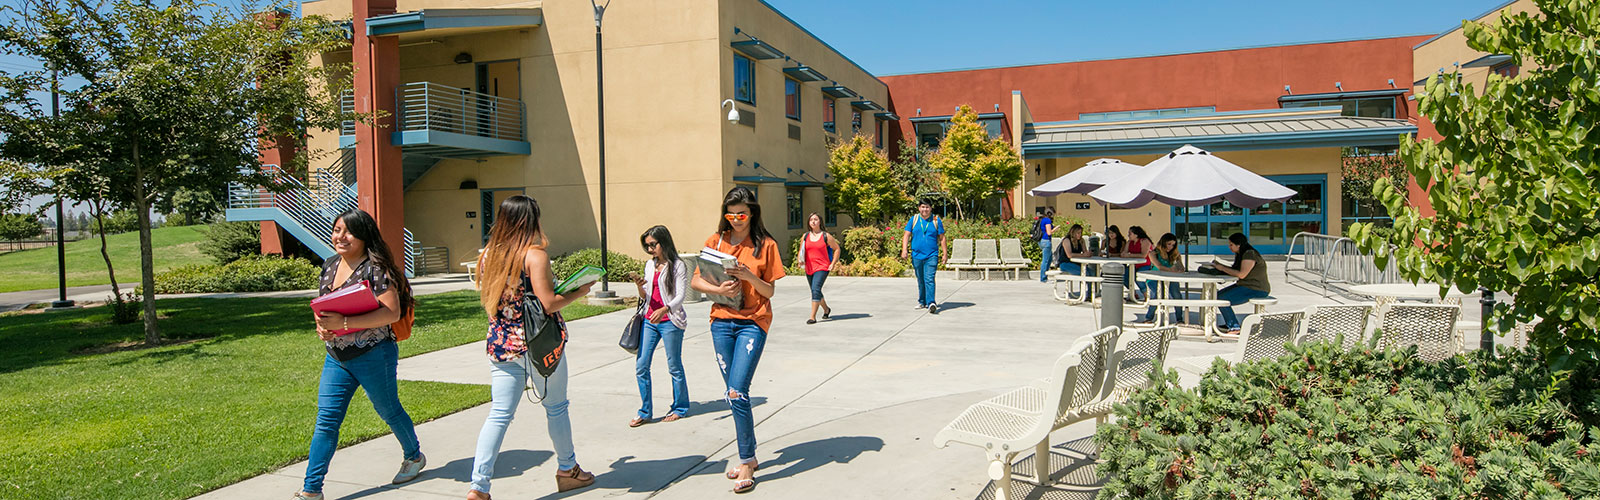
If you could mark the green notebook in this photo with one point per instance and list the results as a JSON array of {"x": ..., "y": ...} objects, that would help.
[{"x": 589, "y": 274}]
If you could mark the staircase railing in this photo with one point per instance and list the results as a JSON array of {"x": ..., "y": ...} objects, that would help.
[
  {"x": 312, "y": 208},
  {"x": 1334, "y": 259}
]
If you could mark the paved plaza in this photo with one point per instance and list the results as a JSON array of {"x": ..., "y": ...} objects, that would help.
[{"x": 846, "y": 408}]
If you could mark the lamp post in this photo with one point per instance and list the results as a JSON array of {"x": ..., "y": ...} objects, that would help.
[
  {"x": 61, "y": 238},
  {"x": 600, "y": 108}
]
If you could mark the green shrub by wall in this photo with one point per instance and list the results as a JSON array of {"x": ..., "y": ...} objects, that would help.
[
  {"x": 252, "y": 273},
  {"x": 620, "y": 264},
  {"x": 229, "y": 241},
  {"x": 1321, "y": 422}
]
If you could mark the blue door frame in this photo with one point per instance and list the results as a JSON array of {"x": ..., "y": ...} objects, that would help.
[{"x": 1269, "y": 227}]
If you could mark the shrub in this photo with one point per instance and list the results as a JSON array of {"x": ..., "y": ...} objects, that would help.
[
  {"x": 118, "y": 222},
  {"x": 864, "y": 242},
  {"x": 621, "y": 264},
  {"x": 978, "y": 228},
  {"x": 229, "y": 241},
  {"x": 881, "y": 267},
  {"x": 126, "y": 308},
  {"x": 1321, "y": 422},
  {"x": 253, "y": 273}
]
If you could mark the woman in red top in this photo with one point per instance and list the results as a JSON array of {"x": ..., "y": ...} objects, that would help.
[
  {"x": 1139, "y": 246},
  {"x": 817, "y": 250}
]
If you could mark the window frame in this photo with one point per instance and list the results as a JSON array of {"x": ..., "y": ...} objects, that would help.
[
  {"x": 749, "y": 74},
  {"x": 794, "y": 201},
  {"x": 791, "y": 98},
  {"x": 829, "y": 112}
]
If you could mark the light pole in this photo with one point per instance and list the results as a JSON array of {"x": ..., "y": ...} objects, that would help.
[
  {"x": 600, "y": 108},
  {"x": 61, "y": 237}
]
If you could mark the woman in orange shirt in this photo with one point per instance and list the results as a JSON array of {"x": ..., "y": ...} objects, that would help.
[{"x": 738, "y": 335}]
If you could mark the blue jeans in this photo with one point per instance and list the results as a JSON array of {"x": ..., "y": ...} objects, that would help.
[
  {"x": 1070, "y": 267},
  {"x": 1044, "y": 257},
  {"x": 926, "y": 269},
  {"x": 738, "y": 344},
  {"x": 671, "y": 336},
  {"x": 1139, "y": 269},
  {"x": 816, "y": 279},
  {"x": 1236, "y": 295},
  {"x": 506, "y": 382},
  {"x": 374, "y": 372},
  {"x": 1173, "y": 292}
]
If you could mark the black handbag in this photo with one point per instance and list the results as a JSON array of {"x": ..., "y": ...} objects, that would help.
[
  {"x": 632, "y": 331},
  {"x": 544, "y": 334}
]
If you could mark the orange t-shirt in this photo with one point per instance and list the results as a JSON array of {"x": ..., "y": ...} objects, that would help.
[{"x": 769, "y": 267}]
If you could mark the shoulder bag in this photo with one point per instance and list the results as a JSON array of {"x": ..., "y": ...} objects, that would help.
[{"x": 544, "y": 334}]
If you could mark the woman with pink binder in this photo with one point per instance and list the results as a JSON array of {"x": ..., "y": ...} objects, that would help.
[{"x": 363, "y": 291}]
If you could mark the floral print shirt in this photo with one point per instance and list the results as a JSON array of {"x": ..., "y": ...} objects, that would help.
[
  {"x": 507, "y": 338},
  {"x": 349, "y": 346}
]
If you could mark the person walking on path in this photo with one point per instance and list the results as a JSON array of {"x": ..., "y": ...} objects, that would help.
[
  {"x": 665, "y": 281},
  {"x": 1251, "y": 270},
  {"x": 738, "y": 335},
  {"x": 817, "y": 251},
  {"x": 1046, "y": 226},
  {"x": 365, "y": 358},
  {"x": 513, "y": 259},
  {"x": 924, "y": 243}
]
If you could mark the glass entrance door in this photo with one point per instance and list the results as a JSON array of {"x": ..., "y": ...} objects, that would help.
[{"x": 1269, "y": 227}]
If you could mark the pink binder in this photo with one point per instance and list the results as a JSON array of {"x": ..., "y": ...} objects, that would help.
[{"x": 353, "y": 300}]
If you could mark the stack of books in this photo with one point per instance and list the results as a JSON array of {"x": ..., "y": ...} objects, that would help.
[{"x": 714, "y": 268}]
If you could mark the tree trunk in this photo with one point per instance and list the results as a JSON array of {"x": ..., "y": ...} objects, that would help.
[
  {"x": 147, "y": 269},
  {"x": 100, "y": 219}
]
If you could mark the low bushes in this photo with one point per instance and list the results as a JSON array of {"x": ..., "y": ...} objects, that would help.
[
  {"x": 251, "y": 273},
  {"x": 870, "y": 242},
  {"x": 1321, "y": 422},
  {"x": 230, "y": 241},
  {"x": 620, "y": 265}
]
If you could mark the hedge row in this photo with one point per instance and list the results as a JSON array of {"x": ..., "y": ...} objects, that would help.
[{"x": 251, "y": 273}]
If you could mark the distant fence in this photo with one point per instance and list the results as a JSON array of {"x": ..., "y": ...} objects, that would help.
[
  {"x": 1333, "y": 259},
  {"x": 19, "y": 245}
]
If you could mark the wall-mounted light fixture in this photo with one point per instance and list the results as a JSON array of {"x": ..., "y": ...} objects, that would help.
[
  {"x": 1391, "y": 83},
  {"x": 469, "y": 184},
  {"x": 733, "y": 111},
  {"x": 1338, "y": 85},
  {"x": 1286, "y": 90},
  {"x": 463, "y": 58},
  {"x": 1037, "y": 170},
  {"x": 997, "y": 107}
]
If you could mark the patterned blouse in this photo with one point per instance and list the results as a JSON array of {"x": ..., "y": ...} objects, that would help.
[
  {"x": 348, "y": 347},
  {"x": 506, "y": 335}
]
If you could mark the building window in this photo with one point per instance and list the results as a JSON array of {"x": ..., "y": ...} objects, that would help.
[
  {"x": 829, "y": 216},
  {"x": 855, "y": 122},
  {"x": 827, "y": 114},
  {"x": 878, "y": 133},
  {"x": 793, "y": 202},
  {"x": 744, "y": 79},
  {"x": 1507, "y": 70},
  {"x": 930, "y": 132},
  {"x": 791, "y": 98},
  {"x": 1379, "y": 107},
  {"x": 1145, "y": 114}
]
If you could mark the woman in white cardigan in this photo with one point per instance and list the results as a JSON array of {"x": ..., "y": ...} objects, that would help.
[{"x": 665, "y": 280}]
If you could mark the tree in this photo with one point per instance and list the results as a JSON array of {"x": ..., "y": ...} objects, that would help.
[
  {"x": 178, "y": 99},
  {"x": 863, "y": 185},
  {"x": 914, "y": 175},
  {"x": 973, "y": 165},
  {"x": 1361, "y": 173},
  {"x": 1513, "y": 182},
  {"x": 14, "y": 227}
]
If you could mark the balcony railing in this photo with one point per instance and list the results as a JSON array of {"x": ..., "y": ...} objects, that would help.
[{"x": 434, "y": 107}]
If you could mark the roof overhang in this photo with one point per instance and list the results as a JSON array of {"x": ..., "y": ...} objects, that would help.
[
  {"x": 866, "y": 105},
  {"x": 839, "y": 91},
  {"x": 1266, "y": 129},
  {"x": 757, "y": 49},
  {"x": 758, "y": 179},
  {"x": 1488, "y": 61},
  {"x": 453, "y": 21},
  {"x": 945, "y": 118},
  {"x": 804, "y": 73},
  {"x": 888, "y": 116},
  {"x": 1329, "y": 96}
]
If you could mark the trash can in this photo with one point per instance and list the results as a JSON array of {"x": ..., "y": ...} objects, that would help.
[{"x": 690, "y": 263}]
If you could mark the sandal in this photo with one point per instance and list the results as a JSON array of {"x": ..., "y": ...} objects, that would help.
[
  {"x": 638, "y": 421},
  {"x": 827, "y": 312},
  {"x": 573, "y": 479},
  {"x": 671, "y": 417},
  {"x": 734, "y": 472},
  {"x": 477, "y": 495},
  {"x": 744, "y": 485}
]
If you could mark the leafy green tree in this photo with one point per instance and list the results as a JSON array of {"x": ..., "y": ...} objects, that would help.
[
  {"x": 914, "y": 174},
  {"x": 973, "y": 165},
  {"x": 863, "y": 185},
  {"x": 1515, "y": 183},
  {"x": 178, "y": 98},
  {"x": 22, "y": 226}
]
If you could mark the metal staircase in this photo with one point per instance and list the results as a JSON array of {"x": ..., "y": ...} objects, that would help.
[{"x": 306, "y": 209}]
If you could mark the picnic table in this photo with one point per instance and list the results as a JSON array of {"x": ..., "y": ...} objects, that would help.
[
  {"x": 1387, "y": 293},
  {"x": 1207, "y": 282},
  {"x": 1085, "y": 262}
]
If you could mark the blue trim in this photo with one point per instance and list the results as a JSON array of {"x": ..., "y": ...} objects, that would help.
[
  {"x": 1330, "y": 96},
  {"x": 866, "y": 105},
  {"x": 757, "y": 49},
  {"x": 408, "y": 22},
  {"x": 1266, "y": 114},
  {"x": 284, "y": 221},
  {"x": 839, "y": 91},
  {"x": 347, "y": 141},
  {"x": 758, "y": 179},
  {"x": 804, "y": 73},
  {"x": 1246, "y": 217},
  {"x": 484, "y": 145},
  {"x": 886, "y": 116},
  {"x": 1241, "y": 142},
  {"x": 819, "y": 40},
  {"x": 941, "y": 118},
  {"x": 801, "y": 183}
]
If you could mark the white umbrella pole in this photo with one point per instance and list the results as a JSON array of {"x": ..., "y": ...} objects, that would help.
[{"x": 1186, "y": 236}]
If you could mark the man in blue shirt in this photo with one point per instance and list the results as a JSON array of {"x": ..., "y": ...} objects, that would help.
[{"x": 925, "y": 239}]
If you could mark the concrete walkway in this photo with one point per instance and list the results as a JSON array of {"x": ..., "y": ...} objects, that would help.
[{"x": 845, "y": 408}]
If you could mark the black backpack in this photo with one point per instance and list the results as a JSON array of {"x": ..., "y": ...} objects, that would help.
[
  {"x": 544, "y": 334},
  {"x": 1038, "y": 229}
]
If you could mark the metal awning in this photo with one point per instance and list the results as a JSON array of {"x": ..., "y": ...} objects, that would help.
[
  {"x": 1329, "y": 96},
  {"x": 839, "y": 91},
  {"x": 887, "y": 116},
  {"x": 1488, "y": 61},
  {"x": 866, "y": 105},
  {"x": 757, "y": 49},
  {"x": 1228, "y": 131},
  {"x": 804, "y": 73},
  {"x": 456, "y": 21}
]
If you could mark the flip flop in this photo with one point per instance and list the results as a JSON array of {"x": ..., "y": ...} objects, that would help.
[
  {"x": 734, "y": 474},
  {"x": 744, "y": 485},
  {"x": 638, "y": 422}
]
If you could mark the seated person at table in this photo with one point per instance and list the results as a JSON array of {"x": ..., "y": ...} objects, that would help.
[
  {"x": 1251, "y": 270},
  {"x": 1165, "y": 257},
  {"x": 1139, "y": 247},
  {"x": 1070, "y": 248}
]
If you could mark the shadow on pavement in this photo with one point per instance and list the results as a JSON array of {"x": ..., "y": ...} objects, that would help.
[
  {"x": 799, "y": 458},
  {"x": 512, "y": 463},
  {"x": 1073, "y": 475},
  {"x": 718, "y": 405},
  {"x": 946, "y": 306},
  {"x": 640, "y": 476},
  {"x": 842, "y": 317}
]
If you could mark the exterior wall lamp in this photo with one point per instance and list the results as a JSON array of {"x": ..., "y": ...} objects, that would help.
[{"x": 733, "y": 111}]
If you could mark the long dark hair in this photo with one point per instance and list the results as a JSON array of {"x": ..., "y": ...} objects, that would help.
[
  {"x": 1244, "y": 246},
  {"x": 1076, "y": 242},
  {"x": 363, "y": 227},
  {"x": 1114, "y": 240},
  {"x": 758, "y": 232},
  {"x": 1138, "y": 233},
  {"x": 516, "y": 230},
  {"x": 668, "y": 251},
  {"x": 1161, "y": 245}
]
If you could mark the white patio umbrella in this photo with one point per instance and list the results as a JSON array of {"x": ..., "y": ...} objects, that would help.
[
  {"x": 1088, "y": 178},
  {"x": 1190, "y": 176}
]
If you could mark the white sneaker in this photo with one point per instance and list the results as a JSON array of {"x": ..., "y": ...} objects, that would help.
[
  {"x": 933, "y": 309},
  {"x": 410, "y": 469},
  {"x": 301, "y": 495},
  {"x": 922, "y": 306}
]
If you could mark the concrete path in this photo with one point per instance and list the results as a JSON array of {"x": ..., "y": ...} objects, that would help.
[{"x": 845, "y": 408}]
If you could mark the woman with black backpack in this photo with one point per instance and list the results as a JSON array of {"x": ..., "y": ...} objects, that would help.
[{"x": 514, "y": 263}]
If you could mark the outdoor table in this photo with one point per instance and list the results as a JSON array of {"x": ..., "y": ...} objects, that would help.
[
  {"x": 1085, "y": 262},
  {"x": 1207, "y": 282},
  {"x": 1384, "y": 294}
]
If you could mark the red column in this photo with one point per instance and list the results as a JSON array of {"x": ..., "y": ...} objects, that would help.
[
  {"x": 274, "y": 151},
  {"x": 377, "y": 75}
]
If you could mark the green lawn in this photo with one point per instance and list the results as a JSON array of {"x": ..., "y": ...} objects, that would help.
[
  {"x": 176, "y": 421},
  {"x": 36, "y": 269}
]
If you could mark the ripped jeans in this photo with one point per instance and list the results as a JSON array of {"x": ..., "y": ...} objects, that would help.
[{"x": 738, "y": 344}]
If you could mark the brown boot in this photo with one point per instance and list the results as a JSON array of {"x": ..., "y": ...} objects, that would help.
[{"x": 573, "y": 479}]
